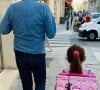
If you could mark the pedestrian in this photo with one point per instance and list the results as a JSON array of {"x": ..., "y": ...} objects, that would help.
[
  {"x": 88, "y": 18},
  {"x": 48, "y": 45},
  {"x": 76, "y": 22},
  {"x": 30, "y": 21}
]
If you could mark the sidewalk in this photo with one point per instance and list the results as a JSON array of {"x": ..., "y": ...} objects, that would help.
[{"x": 55, "y": 60}]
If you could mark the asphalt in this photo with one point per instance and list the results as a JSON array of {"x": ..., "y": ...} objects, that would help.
[{"x": 55, "y": 60}]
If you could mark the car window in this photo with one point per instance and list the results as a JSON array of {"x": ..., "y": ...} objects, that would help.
[{"x": 95, "y": 15}]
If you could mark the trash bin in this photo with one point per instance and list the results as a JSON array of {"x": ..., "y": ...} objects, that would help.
[{"x": 62, "y": 20}]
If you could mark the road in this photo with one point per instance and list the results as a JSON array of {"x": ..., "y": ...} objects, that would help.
[
  {"x": 74, "y": 39},
  {"x": 81, "y": 41}
]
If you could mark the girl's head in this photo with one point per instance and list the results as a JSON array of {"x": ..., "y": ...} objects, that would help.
[{"x": 75, "y": 56}]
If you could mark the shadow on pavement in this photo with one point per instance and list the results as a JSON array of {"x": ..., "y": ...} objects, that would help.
[{"x": 81, "y": 39}]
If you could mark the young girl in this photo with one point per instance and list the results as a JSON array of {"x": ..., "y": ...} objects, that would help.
[
  {"x": 76, "y": 78},
  {"x": 75, "y": 57}
]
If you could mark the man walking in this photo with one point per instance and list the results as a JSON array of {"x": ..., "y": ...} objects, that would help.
[{"x": 31, "y": 22}]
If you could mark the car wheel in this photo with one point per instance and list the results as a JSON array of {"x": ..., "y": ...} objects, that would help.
[{"x": 91, "y": 36}]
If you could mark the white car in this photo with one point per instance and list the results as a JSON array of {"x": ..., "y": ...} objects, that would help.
[{"x": 90, "y": 30}]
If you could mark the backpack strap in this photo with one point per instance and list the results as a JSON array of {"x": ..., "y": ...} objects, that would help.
[{"x": 86, "y": 73}]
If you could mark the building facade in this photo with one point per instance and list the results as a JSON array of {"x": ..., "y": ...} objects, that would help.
[
  {"x": 91, "y": 5},
  {"x": 58, "y": 9},
  {"x": 85, "y": 5},
  {"x": 94, "y": 5}
]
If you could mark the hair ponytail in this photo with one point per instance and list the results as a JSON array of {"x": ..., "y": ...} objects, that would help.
[
  {"x": 75, "y": 56},
  {"x": 76, "y": 66}
]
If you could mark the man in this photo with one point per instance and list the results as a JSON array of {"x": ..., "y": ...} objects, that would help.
[{"x": 31, "y": 22}]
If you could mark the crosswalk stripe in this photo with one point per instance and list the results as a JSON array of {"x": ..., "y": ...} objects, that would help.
[{"x": 60, "y": 40}]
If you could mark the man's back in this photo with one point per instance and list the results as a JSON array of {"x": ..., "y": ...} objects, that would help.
[{"x": 30, "y": 21}]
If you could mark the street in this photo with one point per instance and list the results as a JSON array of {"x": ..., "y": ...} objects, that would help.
[
  {"x": 27, "y": 19},
  {"x": 81, "y": 41}
]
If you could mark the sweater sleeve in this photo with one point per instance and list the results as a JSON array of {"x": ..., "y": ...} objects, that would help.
[
  {"x": 49, "y": 23},
  {"x": 5, "y": 25}
]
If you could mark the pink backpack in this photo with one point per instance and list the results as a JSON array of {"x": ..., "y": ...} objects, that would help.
[{"x": 72, "y": 81}]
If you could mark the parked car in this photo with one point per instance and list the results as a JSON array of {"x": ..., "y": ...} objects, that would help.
[{"x": 90, "y": 30}]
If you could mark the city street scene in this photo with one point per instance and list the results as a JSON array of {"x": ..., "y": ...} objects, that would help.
[{"x": 77, "y": 22}]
